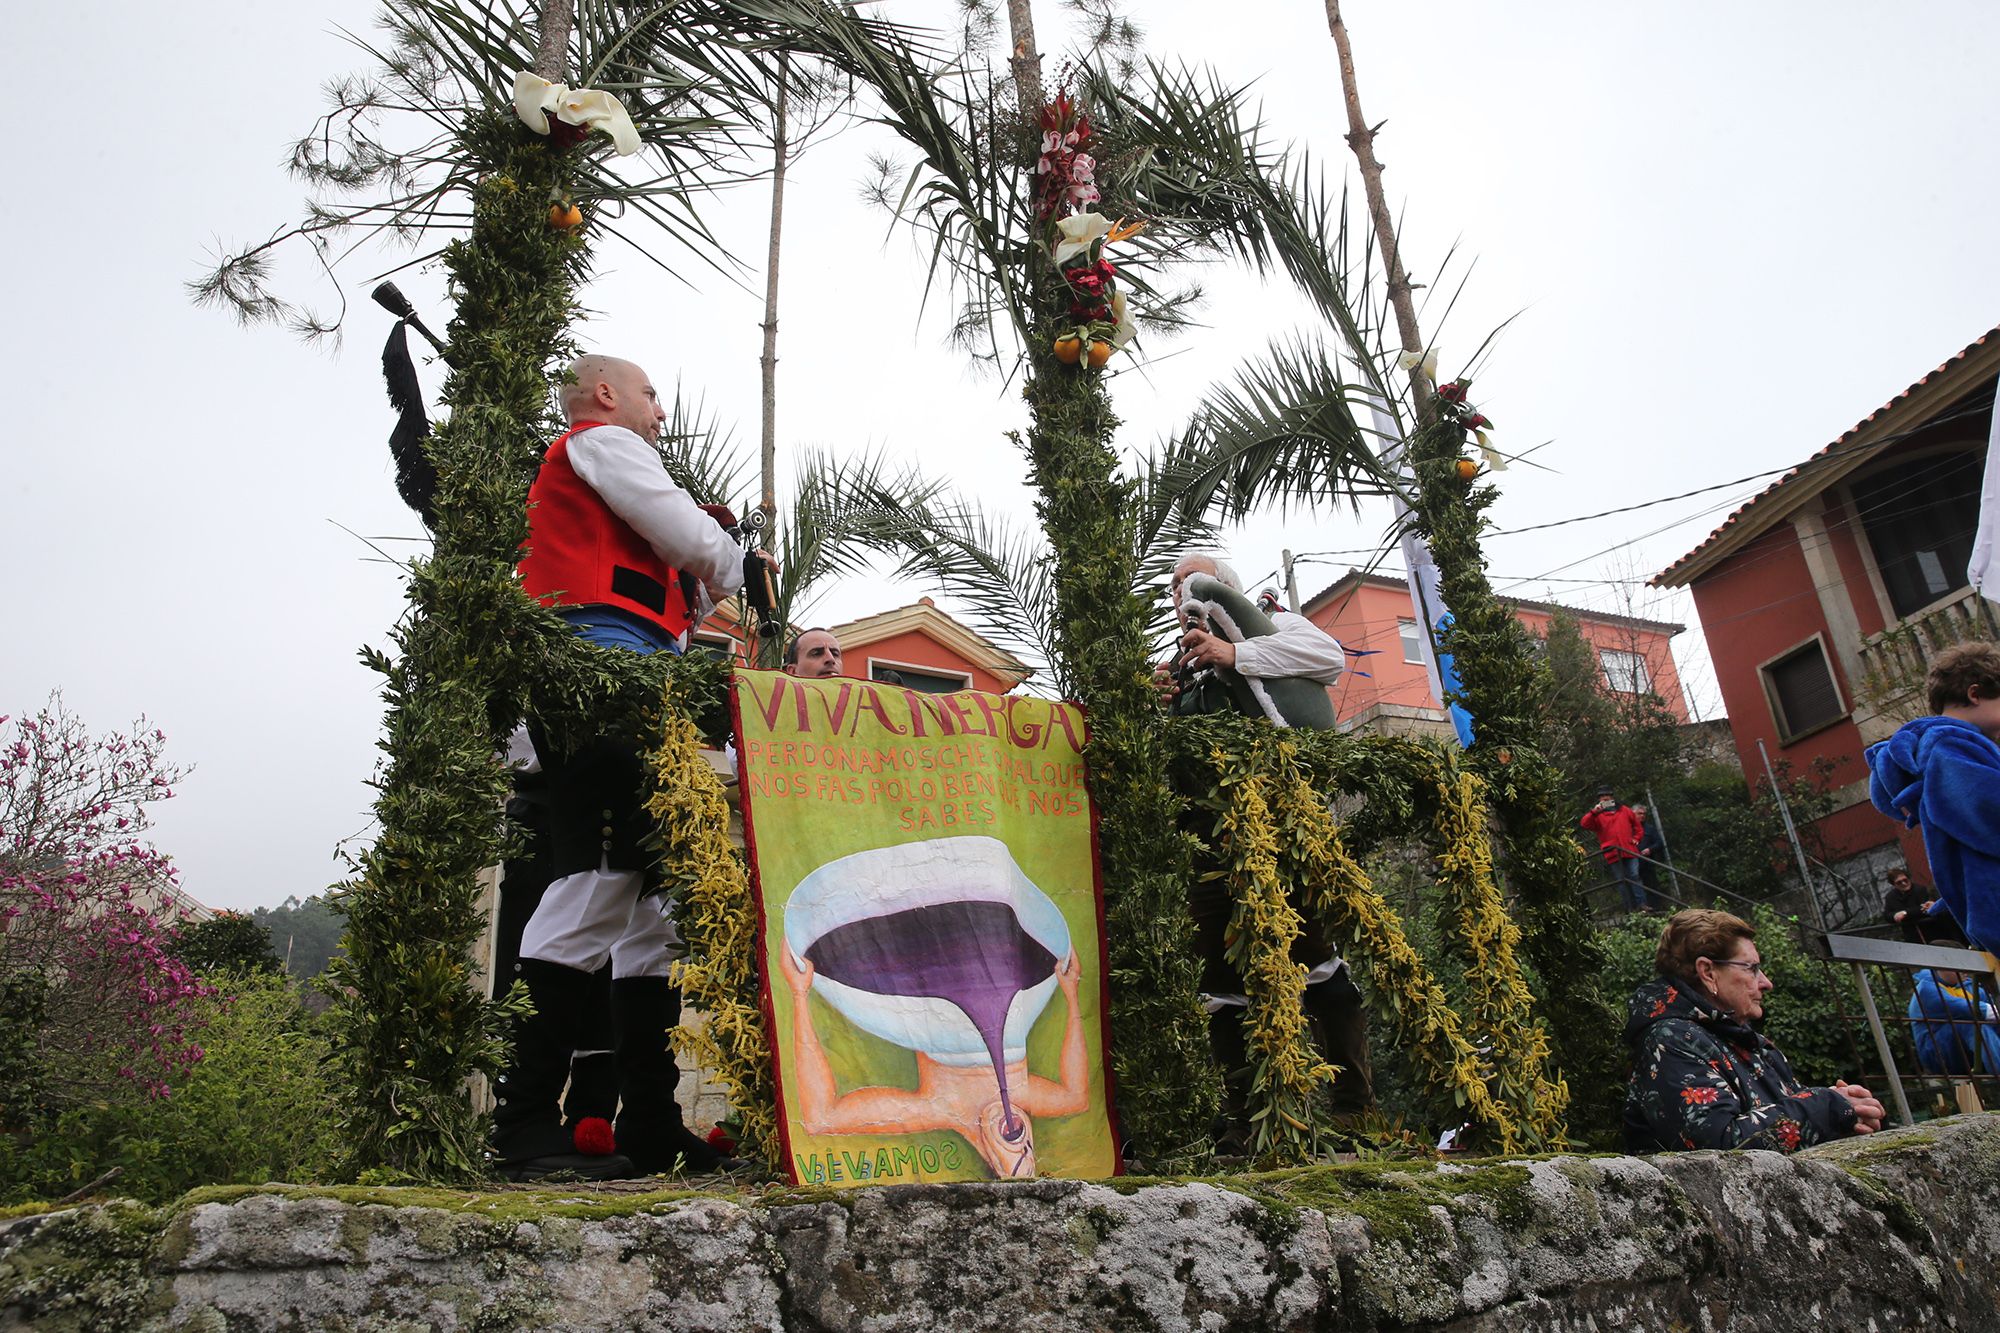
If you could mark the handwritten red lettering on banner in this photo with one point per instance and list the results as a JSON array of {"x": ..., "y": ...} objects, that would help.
[{"x": 936, "y": 786}]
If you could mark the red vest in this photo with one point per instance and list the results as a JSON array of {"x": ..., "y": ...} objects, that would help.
[{"x": 579, "y": 553}]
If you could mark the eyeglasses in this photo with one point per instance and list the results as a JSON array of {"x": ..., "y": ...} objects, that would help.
[{"x": 1754, "y": 969}]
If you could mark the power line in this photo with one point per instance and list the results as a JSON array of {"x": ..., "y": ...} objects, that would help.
[{"x": 1829, "y": 456}]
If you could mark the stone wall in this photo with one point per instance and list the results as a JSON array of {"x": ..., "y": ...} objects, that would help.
[{"x": 1896, "y": 1231}]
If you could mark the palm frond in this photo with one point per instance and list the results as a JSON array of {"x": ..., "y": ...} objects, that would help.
[
  {"x": 1001, "y": 575},
  {"x": 845, "y": 512},
  {"x": 1185, "y": 152},
  {"x": 700, "y": 453},
  {"x": 965, "y": 191},
  {"x": 389, "y": 160},
  {"x": 1285, "y": 432}
]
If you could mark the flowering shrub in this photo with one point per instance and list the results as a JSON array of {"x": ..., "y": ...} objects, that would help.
[
  {"x": 257, "y": 1107},
  {"x": 89, "y": 911}
]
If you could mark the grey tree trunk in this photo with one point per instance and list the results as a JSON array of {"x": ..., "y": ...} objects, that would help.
[
  {"x": 1026, "y": 61},
  {"x": 551, "y": 57}
]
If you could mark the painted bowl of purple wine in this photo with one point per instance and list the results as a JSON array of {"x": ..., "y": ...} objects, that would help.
[{"x": 944, "y": 947}]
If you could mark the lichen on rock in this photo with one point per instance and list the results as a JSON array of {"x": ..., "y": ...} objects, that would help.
[{"x": 1898, "y": 1230}]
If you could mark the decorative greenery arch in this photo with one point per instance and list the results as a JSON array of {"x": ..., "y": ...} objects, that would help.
[{"x": 474, "y": 655}]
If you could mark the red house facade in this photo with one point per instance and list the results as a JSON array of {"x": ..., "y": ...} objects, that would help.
[
  {"x": 1824, "y": 596},
  {"x": 1388, "y": 689}
]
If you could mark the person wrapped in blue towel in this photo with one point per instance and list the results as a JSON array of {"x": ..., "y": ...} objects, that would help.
[
  {"x": 1942, "y": 774},
  {"x": 1954, "y": 1024}
]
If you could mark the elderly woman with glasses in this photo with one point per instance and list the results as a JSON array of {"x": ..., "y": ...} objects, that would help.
[{"x": 1702, "y": 1077}]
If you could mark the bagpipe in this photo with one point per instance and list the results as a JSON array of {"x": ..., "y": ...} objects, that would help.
[{"x": 416, "y": 478}]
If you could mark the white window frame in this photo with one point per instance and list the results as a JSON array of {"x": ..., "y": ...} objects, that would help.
[
  {"x": 1640, "y": 676},
  {"x": 731, "y": 646},
  {"x": 1411, "y": 635},
  {"x": 918, "y": 667}
]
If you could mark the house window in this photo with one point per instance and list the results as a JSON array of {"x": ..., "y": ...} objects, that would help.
[
  {"x": 1413, "y": 640},
  {"x": 718, "y": 646},
  {"x": 1624, "y": 672},
  {"x": 1920, "y": 518},
  {"x": 1802, "y": 691},
  {"x": 925, "y": 682}
]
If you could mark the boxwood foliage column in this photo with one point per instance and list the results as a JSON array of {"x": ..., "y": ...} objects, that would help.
[
  {"x": 1168, "y": 1091},
  {"x": 1168, "y": 1088},
  {"x": 411, "y": 1023},
  {"x": 1506, "y": 689}
]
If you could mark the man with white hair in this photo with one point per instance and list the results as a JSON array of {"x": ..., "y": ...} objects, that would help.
[
  {"x": 1277, "y": 666},
  {"x": 631, "y": 562},
  {"x": 1273, "y": 666}
]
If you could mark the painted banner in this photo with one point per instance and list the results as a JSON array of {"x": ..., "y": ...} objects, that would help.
[{"x": 932, "y": 931}]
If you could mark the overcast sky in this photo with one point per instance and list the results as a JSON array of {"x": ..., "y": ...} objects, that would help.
[{"x": 1728, "y": 232}]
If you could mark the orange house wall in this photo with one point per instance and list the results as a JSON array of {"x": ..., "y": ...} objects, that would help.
[
  {"x": 1759, "y": 604},
  {"x": 1368, "y": 617},
  {"x": 920, "y": 651},
  {"x": 1363, "y": 619}
]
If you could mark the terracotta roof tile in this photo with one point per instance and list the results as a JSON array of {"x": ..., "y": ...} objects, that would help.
[{"x": 1754, "y": 501}]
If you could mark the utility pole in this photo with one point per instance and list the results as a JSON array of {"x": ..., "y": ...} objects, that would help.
[{"x": 1292, "y": 586}]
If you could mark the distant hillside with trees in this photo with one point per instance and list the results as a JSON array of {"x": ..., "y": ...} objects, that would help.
[{"x": 305, "y": 933}]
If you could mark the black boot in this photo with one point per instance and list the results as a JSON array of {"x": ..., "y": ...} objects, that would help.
[
  {"x": 593, "y": 1068},
  {"x": 529, "y": 1138},
  {"x": 593, "y": 1087},
  {"x": 650, "y": 1129},
  {"x": 1338, "y": 1020}
]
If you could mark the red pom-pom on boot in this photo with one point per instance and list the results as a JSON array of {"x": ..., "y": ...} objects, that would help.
[{"x": 594, "y": 1137}]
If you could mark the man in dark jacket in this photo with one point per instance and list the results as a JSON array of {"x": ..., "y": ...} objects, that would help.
[
  {"x": 1702, "y": 1077},
  {"x": 1652, "y": 855},
  {"x": 1909, "y": 906}
]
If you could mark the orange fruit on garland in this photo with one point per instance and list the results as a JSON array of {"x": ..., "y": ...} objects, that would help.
[
  {"x": 1069, "y": 349},
  {"x": 564, "y": 216},
  {"x": 1100, "y": 352},
  {"x": 1467, "y": 469}
]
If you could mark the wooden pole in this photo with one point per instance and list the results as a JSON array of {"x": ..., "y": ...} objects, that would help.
[
  {"x": 1026, "y": 60},
  {"x": 769, "y": 361},
  {"x": 1361, "y": 138}
]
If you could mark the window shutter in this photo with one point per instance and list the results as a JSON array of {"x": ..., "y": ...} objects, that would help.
[{"x": 1803, "y": 686}]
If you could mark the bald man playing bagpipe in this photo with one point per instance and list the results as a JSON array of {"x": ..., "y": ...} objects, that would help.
[{"x": 629, "y": 559}]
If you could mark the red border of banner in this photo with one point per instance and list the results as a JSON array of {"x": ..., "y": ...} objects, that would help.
[
  {"x": 1104, "y": 1059},
  {"x": 755, "y": 879}
]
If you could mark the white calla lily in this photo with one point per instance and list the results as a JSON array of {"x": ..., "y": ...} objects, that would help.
[
  {"x": 1494, "y": 462},
  {"x": 1079, "y": 232},
  {"x": 1427, "y": 361},
  {"x": 597, "y": 110},
  {"x": 534, "y": 98},
  {"x": 1126, "y": 330}
]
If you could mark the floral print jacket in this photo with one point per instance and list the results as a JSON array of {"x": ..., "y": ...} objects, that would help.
[{"x": 1700, "y": 1079}]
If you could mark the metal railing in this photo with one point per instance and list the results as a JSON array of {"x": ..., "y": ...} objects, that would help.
[{"x": 1939, "y": 1039}]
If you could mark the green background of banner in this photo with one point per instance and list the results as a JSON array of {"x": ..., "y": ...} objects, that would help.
[{"x": 795, "y": 835}]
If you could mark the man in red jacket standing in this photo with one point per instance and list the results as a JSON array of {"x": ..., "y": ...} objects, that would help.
[{"x": 1618, "y": 829}]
